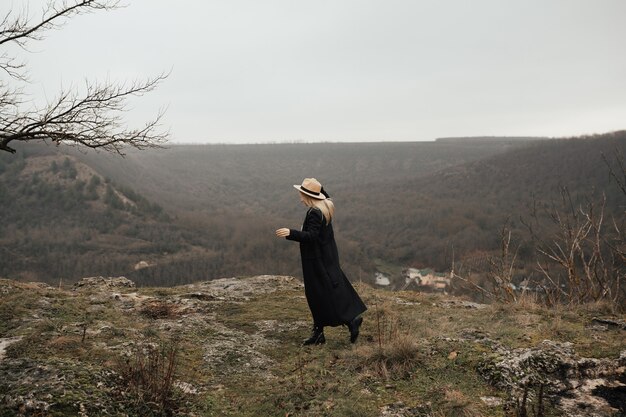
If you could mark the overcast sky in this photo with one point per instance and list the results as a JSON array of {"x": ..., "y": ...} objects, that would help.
[{"x": 352, "y": 70}]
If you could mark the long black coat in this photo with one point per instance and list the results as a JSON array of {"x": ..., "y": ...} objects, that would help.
[{"x": 331, "y": 298}]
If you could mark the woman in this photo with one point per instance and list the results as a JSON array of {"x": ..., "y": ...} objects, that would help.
[{"x": 331, "y": 298}]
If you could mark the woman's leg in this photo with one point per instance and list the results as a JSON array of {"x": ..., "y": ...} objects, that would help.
[
  {"x": 354, "y": 325},
  {"x": 317, "y": 336}
]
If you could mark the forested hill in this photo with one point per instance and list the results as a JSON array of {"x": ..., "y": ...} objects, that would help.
[
  {"x": 61, "y": 219},
  {"x": 62, "y": 216},
  {"x": 491, "y": 139},
  {"x": 405, "y": 204},
  {"x": 466, "y": 205},
  {"x": 243, "y": 176},
  {"x": 538, "y": 167}
]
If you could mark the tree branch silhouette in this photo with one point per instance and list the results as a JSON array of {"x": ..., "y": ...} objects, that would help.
[{"x": 91, "y": 118}]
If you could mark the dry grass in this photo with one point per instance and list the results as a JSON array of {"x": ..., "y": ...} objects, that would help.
[
  {"x": 149, "y": 378},
  {"x": 159, "y": 310},
  {"x": 395, "y": 352},
  {"x": 65, "y": 343},
  {"x": 455, "y": 404},
  {"x": 528, "y": 301},
  {"x": 397, "y": 358},
  {"x": 601, "y": 307}
]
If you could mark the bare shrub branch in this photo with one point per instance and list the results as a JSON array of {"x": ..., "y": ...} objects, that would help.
[
  {"x": 499, "y": 286},
  {"x": 148, "y": 375},
  {"x": 581, "y": 256},
  {"x": 581, "y": 261}
]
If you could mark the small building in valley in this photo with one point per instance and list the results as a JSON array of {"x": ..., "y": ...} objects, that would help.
[
  {"x": 381, "y": 279},
  {"x": 425, "y": 279}
]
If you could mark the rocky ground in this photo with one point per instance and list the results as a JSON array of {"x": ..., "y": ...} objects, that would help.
[{"x": 232, "y": 347}]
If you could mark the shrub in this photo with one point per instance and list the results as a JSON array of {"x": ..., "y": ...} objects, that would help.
[
  {"x": 395, "y": 354},
  {"x": 148, "y": 377}
]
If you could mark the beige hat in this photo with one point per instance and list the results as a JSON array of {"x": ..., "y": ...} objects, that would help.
[{"x": 312, "y": 188}]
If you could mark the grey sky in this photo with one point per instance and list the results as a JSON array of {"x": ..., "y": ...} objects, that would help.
[{"x": 259, "y": 71}]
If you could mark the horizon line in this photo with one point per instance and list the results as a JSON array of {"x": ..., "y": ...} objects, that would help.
[{"x": 313, "y": 142}]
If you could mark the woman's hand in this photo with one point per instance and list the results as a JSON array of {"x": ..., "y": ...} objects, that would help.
[{"x": 283, "y": 232}]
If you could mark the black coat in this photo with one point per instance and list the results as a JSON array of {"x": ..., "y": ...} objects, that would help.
[{"x": 331, "y": 298}]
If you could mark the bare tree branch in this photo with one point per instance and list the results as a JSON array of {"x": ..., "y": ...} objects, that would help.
[
  {"x": 20, "y": 30},
  {"x": 93, "y": 118}
]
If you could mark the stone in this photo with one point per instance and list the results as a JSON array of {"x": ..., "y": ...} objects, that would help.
[
  {"x": 491, "y": 401},
  {"x": 103, "y": 283},
  {"x": 611, "y": 323},
  {"x": 198, "y": 296},
  {"x": 4, "y": 344},
  {"x": 461, "y": 303}
]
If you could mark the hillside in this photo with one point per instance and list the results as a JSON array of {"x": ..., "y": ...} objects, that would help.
[
  {"x": 398, "y": 205},
  {"x": 62, "y": 219},
  {"x": 491, "y": 139},
  {"x": 231, "y": 347},
  {"x": 404, "y": 203},
  {"x": 214, "y": 177},
  {"x": 222, "y": 204},
  {"x": 465, "y": 206}
]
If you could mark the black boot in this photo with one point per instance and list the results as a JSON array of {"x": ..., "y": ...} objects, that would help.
[
  {"x": 354, "y": 326},
  {"x": 317, "y": 337}
]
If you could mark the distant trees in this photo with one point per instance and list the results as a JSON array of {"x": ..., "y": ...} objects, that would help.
[
  {"x": 574, "y": 252},
  {"x": 58, "y": 222},
  {"x": 404, "y": 218},
  {"x": 111, "y": 198},
  {"x": 92, "y": 188},
  {"x": 90, "y": 118}
]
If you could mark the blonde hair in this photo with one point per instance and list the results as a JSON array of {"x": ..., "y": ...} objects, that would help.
[{"x": 326, "y": 206}]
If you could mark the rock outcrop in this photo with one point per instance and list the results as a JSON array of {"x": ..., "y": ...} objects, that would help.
[
  {"x": 104, "y": 283},
  {"x": 581, "y": 387}
]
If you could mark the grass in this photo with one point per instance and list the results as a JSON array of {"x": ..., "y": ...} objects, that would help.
[
  {"x": 15, "y": 303},
  {"x": 453, "y": 403},
  {"x": 413, "y": 349}
]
